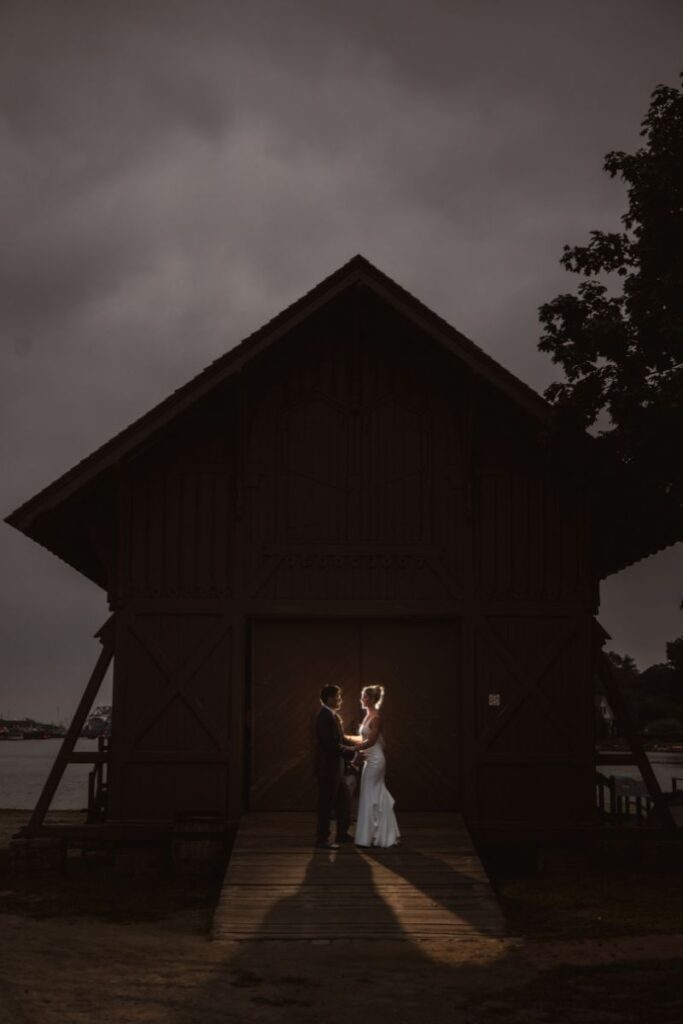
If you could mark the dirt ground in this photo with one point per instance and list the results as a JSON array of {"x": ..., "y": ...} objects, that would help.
[{"x": 591, "y": 940}]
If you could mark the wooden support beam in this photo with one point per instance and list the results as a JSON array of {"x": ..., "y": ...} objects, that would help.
[
  {"x": 630, "y": 733},
  {"x": 88, "y": 757},
  {"x": 66, "y": 751},
  {"x": 618, "y": 757},
  {"x": 110, "y": 831}
]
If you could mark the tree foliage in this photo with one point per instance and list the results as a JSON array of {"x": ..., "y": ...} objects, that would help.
[
  {"x": 656, "y": 693},
  {"x": 619, "y": 338},
  {"x": 674, "y": 655}
]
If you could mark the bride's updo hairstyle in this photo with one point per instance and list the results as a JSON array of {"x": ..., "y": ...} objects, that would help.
[{"x": 375, "y": 694}]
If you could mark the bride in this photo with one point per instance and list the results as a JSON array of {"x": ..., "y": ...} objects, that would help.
[{"x": 376, "y": 824}]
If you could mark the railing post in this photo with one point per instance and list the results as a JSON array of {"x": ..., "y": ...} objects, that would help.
[{"x": 628, "y": 729}]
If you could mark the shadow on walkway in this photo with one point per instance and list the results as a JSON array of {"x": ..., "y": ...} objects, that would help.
[{"x": 393, "y": 978}]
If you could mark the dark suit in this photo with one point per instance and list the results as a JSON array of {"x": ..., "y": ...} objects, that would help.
[{"x": 329, "y": 770}]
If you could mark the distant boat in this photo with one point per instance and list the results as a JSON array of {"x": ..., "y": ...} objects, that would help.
[
  {"x": 12, "y": 734},
  {"x": 31, "y": 731},
  {"x": 98, "y": 722}
]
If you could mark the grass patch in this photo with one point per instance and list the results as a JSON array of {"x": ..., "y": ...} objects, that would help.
[
  {"x": 591, "y": 894},
  {"x": 647, "y": 991},
  {"x": 89, "y": 887}
]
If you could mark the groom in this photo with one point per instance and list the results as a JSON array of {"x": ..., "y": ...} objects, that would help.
[{"x": 329, "y": 769}]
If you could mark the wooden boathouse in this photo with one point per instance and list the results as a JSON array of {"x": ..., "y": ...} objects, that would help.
[{"x": 356, "y": 493}]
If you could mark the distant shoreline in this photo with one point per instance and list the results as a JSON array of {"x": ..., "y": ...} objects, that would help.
[{"x": 650, "y": 746}]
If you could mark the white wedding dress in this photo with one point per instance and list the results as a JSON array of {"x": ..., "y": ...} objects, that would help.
[{"x": 376, "y": 824}]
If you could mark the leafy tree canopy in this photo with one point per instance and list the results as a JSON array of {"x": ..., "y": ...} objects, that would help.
[
  {"x": 619, "y": 339},
  {"x": 674, "y": 655},
  {"x": 657, "y": 691}
]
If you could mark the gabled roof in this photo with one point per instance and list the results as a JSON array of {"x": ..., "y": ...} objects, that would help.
[
  {"x": 357, "y": 270},
  {"x": 59, "y": 516}
]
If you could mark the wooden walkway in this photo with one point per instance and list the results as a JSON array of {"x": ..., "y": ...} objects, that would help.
[{"x": 278, "y": 886}]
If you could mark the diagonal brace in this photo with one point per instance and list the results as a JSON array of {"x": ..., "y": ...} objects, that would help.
[
  {"x": 628, "y": 728},
  {"x": 106, "y": 636}
]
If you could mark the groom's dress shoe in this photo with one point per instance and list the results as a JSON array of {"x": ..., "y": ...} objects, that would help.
[
  {"x": 346, "y": 838},
  {"x": 327, "y": 846}
]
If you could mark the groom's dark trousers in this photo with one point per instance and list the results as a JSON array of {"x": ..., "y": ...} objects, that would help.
[{"x": 329, "y": 770}]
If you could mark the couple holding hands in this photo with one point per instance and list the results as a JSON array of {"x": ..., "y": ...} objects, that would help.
[{"x": 376, "y": 823}]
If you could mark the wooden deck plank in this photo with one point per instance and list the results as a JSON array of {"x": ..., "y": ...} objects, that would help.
[{"x": 278, "y": 886}]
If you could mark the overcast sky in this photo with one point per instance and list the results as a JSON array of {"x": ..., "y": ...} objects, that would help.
[{"x": 174, "y": 174}]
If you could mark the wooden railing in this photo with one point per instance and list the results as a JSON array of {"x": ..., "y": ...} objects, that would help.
[
  {"x": 98, "y": 784},
  {"x": 637, "y": 756},
  {"x": 620, "y": 798}
]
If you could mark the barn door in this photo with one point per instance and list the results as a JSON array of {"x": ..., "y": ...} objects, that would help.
[
  {"x": 418, "y": 664},
  {"x": 291, "y": 661},
  {"x": 416, "y": 661}
]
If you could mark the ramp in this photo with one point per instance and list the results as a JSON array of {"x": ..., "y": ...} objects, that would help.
[{"x": 431, "y": 886}]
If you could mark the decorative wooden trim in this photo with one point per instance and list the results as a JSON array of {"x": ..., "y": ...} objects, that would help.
[
  {"x": 351, "y": 558},
  {"x": 332, "y": 607},
  {"x": 422, "y": 609},
  {"x": 147, "y": 604}
]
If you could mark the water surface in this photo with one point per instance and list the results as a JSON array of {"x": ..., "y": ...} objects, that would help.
[
  {"x": 24, "y": 767},
  {"x": 25, "y": 764}
]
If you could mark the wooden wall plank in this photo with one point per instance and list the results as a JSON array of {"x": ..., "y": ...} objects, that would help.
[{"x": 355, "y": 472}]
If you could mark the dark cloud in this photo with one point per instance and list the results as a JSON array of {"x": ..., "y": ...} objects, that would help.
[{"x": 174, "y": 173}]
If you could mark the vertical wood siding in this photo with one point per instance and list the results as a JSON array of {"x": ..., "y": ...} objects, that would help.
[
  {"x": 532, "y": 538},
  {"x": 355, "y": 464},
  {"x": 532, "y": 749},
  {"x": 177, "y": 533},
  {"x": 172, "y": 698},
  {"x": 177, "y": 504}
]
